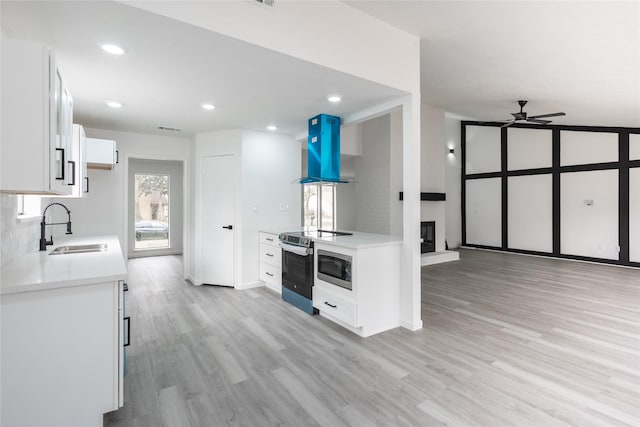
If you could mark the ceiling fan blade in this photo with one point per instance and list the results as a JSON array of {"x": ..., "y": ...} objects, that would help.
[
  {"x": 542, "y": 122},
  {"x": 508, "y": 124},
  {"x": 547, "y": 115},
  {"x": 495, "y": 121}
]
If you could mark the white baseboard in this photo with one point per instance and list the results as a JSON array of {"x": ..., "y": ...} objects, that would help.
[
  {"x": 412, "y": 326},
  {"x": 194, "y": 281},
  {"x": 249, "y": 285}
]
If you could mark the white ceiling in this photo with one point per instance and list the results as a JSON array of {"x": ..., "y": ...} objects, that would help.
[
  {"x": 171, "y": 68},
  {"x": 478, "y": 59}
]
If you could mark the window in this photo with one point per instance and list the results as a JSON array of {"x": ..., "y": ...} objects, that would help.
[
  {"x": 319, "y": 206},
  {"x": 151, "y": 211},
  {"x": 28, "y": 206}
]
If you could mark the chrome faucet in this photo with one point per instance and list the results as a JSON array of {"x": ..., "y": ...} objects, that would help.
[{"x": 43, "y": 240}]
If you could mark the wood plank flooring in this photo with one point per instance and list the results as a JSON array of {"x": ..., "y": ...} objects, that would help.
[{"x": 508, "y": 340}]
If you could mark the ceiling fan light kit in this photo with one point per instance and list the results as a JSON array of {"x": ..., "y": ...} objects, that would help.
[{"x": 522, "y": 116}]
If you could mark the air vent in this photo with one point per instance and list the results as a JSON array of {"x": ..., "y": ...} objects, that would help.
[
  {"x": 169, "y": 129},
  {"x": 267, "y": 2}
]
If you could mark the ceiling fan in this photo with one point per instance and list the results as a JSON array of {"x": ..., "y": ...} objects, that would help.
[{"x": 522, "y": 116}]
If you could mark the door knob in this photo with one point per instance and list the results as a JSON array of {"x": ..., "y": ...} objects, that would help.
[{"x": 228, "y": 227}]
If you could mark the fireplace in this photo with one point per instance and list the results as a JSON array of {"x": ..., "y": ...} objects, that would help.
[{"x": 428, "y": 236}]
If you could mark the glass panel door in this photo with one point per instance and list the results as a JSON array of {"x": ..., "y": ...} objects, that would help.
[{"x": 151, "y": 199}]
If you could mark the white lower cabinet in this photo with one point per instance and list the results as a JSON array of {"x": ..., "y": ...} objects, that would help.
[
  {"x": 62, "y": 360},
  {"x": 339, "y": 307},
  {"x": 371, "y": 306},
  {"x": 271, "y": 261}
]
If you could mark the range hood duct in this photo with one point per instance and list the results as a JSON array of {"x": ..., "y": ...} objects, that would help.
[{"x": 323, "y": 145}]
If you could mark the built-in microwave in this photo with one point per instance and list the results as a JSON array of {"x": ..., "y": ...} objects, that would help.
[{"x": 335, "y": 268}]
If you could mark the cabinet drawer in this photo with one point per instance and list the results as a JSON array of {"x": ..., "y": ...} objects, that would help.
[
  {"x": 270, "y": 274},
  {"x": 271, "y": 255},
  {"x": 269, "y": 239},
  {"x": 338, "y": 307}
]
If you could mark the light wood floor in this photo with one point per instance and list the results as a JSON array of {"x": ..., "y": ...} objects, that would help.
[{"x": 508, "y": 340}]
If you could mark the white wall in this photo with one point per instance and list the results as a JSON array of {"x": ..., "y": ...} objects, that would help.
[
  {"x": 578, "y": 148},
  {"x": 452, "y": 181},
  {"x": 588, "y": 200},
  {"x": 17, "y": 237},
  {"x": 634, "y": 146},
  {"x": 432, "y": 166},
  {"x": 103, "y": 210},
  {"x": 482, "y": 147},
  {"x": 484, "y": 212},
  {"x": 590, "y": 231},
  {"x": 373, "y": 178},
  {"x": 634, "y": 214},
  {"x": 529, "y": 148},
  {"x": 270, "y": 165},
  {"x": 345, "y": 192},
  {"x": 530, "y": 212},
  {"x": 395, "y": 181}
]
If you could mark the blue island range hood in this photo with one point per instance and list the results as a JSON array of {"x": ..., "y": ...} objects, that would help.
[{"x": 323, "y": 150}]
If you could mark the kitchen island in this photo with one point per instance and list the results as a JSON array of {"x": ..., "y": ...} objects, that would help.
[
  {"x": 356, "y": 279},
  {"x": 62, "y": 335}
]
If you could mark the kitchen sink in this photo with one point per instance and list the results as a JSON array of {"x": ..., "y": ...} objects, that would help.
[{"x": 78, "y": 249}]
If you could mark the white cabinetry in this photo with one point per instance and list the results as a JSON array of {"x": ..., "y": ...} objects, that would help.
[
  {"x": 37, "y": 118},
  {"x": 79, "y": 182},
  {"x": 271, "y": 261},
  {"x": 371, "y": 306},
  {"x": 62, "y": 355},
  {"x": 101, "y": 153},
  {"x": 81, "y": 187}
]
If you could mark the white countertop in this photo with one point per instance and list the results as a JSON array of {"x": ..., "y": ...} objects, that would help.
[
  {"x": 38, "y": 271},
  {"x": 358, "y": 240}
]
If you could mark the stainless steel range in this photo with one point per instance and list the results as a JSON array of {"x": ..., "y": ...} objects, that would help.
[{"x": 297, "y": 266}]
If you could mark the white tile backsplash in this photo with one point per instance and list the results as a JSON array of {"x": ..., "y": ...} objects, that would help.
[{"x": 17, "y": 238}]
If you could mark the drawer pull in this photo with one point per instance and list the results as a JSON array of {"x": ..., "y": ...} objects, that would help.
[
  {"x": 269, "y": 239},
  {"x": 269, "y": 274},
  {"x": 331, "y": 305},
  {"x": 269, "y": 255}
]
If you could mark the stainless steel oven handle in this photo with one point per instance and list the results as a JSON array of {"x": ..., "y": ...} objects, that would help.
[{"x": 298, "y": 250}]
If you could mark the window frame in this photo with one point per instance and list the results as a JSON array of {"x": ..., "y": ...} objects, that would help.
[{"x": 319, "y": 204}]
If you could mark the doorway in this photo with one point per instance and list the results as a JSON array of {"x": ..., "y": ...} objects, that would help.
[{"x": 155, "y": 207}]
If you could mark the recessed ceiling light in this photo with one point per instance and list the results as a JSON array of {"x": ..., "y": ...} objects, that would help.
[
  {"x": 112, "y": 49},
  {"x": 334, "y": 98},
  {"x": 114, "y": 104},
  {"x": 208, "y": 106},
  {"x": 272, "y": 127}
]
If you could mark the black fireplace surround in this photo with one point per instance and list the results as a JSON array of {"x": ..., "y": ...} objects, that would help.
[{"x": 428, "y": 236}]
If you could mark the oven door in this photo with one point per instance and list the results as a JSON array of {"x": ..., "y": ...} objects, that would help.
[{"x": 297, "y": 269}]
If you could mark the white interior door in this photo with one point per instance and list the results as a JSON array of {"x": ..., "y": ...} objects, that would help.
[{"x": 217, "y": 219}]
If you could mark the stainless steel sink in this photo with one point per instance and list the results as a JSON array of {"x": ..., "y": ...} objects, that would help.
[{"x": 78, "y": 249}]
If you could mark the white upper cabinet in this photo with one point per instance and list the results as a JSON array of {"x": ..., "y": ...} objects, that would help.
[
  {"x": 37, "y": 118},
  {"x": 79, "y": 181},
  {"x": 101, "y": 153}
]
